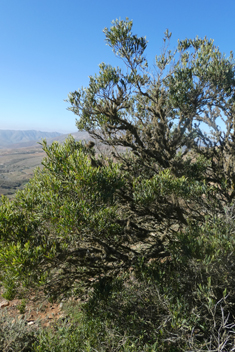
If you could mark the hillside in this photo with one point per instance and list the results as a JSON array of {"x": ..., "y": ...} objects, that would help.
[{"x": 8, "y": 138}]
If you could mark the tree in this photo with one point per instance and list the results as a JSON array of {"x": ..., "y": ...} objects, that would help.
[
  {"x": 175, "y": 170},
  {"x": 86, "y": 216}
]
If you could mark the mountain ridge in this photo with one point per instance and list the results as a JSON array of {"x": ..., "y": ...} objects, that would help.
[{"x": 9, "y": 138}]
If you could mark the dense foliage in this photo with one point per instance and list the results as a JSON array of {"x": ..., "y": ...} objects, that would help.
[
  {"x": 175, "y": 170},
  {"x": 54, "y": 231},
  {"x": 149, "y": 232}
]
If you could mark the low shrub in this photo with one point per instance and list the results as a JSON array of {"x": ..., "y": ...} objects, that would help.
[{"x": 15, "y": 334}]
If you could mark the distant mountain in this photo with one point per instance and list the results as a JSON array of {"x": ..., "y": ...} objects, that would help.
[
  {"x": 8, "y": 138},
  {"x": 78, "y": 136}
]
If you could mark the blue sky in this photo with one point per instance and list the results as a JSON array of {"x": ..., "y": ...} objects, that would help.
[{"x": 50, "y": 47}]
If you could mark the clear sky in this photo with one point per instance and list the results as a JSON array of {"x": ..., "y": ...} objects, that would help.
[{"x": 48, "y": 48}]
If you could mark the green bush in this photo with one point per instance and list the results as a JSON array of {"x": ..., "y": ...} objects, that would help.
[
  {"x": 184, "y": 303},
  {"x": 58, "y": 230}
]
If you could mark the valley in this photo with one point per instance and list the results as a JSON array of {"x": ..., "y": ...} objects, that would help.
[{"x": 17, "y": 167}]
